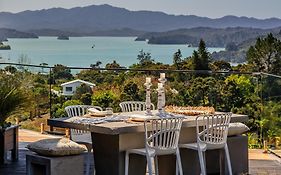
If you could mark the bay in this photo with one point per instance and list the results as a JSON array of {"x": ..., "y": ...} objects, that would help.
[{"x": 83, "y": 51}]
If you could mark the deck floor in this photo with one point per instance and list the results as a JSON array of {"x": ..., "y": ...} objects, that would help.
[
  {"x": 267, "y": 164},
  {"x": 19, "y": 167},
  {"x": 259, "y": 163}
]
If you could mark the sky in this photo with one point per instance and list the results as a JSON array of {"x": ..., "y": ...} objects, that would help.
[{"x": 208, "y": 8}]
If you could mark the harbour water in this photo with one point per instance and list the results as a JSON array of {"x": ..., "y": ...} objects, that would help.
[{"x": 83, "y": 51}]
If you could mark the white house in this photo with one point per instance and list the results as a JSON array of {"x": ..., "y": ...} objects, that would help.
[{"x": 70, "y": 87}]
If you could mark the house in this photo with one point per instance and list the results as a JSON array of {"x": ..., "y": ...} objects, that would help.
[{"x": 70, "y": 87}]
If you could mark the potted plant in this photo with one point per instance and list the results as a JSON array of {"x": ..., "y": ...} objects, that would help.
[{"x": 12, "y": 97}]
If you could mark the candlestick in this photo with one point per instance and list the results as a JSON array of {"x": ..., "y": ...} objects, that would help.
[
  {"x": 162, "y": 75},
  {"x": 148, "y": 80},
  {"x": 147, "y": 99},
  {"x": 162, "y": 80},
  {"x": 160, "y": 99},
  {"x": 160, "y": 85}
]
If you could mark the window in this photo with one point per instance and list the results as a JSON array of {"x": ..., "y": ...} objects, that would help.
[{"x": 68, "y": 89}]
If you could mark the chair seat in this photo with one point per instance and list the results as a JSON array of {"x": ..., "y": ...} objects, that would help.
[
  {"x": 193, "y": 146},
  {"x": 203, "y": 146},
  {"x": 142, "y": 151}
]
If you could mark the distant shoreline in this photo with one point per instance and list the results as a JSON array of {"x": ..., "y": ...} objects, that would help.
[{"x": 79, "y": 51}]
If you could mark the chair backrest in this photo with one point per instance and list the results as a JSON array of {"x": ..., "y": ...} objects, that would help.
[
  {"x": 162, "y": 135},
  {"x": 214, "y": 130},
  {"x": 130, "y": 106},
  {"x": 79, "y": 110}
]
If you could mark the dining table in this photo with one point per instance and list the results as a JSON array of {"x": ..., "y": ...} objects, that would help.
[{"x": 113, "y": 135}]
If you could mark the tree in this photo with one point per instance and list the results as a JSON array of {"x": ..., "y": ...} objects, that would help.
[
  {"x": 12, "y": 97},
  {"x": 204, "y": 55},
  {"x": 196, "y": 63},
  {"x": 86, "y": 99},
  {"x": 61, "y": 72},
  {"x": 177, "y": 59},
  {"x": 104, "y": 99},
  {"x": 201, "y": 58},
  {"x": 265, "y": 56},
  {"x": 113, "y": 65},
  {"x": 130, "y": 92},
  {"x": 144, "y": 57},
  {"x": 81, "y": 90},
  {"x": 96, "y": 65}
]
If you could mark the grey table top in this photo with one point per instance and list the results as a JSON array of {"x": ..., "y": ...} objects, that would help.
[{"x": 120, "y": 127}]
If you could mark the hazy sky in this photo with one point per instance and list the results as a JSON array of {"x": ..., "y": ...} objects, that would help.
[{"x": 209, "y": 8}]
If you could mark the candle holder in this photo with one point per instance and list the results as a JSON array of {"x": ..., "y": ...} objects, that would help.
[
  {"x": 147, "y": 98},
  {"x": 163, "y": 81},
  {"x": 160, "y": 90}
]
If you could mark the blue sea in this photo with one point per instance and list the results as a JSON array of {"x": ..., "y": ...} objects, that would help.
[{"x": 83, "y": 51}]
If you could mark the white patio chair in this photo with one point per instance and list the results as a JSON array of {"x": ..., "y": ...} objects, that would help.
[
  {"x": 212, "y": 135},
  {"x": 81, "y": 136},
  {"x": 161, "y": 138},
  {"x": 130, "y": 106}
]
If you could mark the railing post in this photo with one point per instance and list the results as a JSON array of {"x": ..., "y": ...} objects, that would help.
[{"x": 42, "y": 128}]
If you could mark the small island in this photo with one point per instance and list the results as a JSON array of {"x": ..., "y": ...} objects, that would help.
[
  {"x": 63, "y": 37},
  {"x": 4, "y": 47}
]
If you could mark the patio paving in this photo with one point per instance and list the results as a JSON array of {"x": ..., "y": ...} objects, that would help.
[{"x": 259, "y": 163}]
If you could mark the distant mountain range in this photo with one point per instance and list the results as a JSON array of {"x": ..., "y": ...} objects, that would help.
[
  {"x": 100, "y": 18},
  {"x": 213, "y": 37}
]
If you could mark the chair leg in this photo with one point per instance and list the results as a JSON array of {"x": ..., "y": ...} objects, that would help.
[
  {"x": 201, "y": 160},
  {"x": 205, "y": 163},
  {"x": 126, "y": 163},
  {"x": 156, "y": 165},
  {"x": 179, "y": 166},
  {"x": 149, "y": 164},
  {"x": 228, "y": 159}
]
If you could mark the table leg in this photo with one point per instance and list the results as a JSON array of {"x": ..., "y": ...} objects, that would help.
[
  {"x": 167, "y": 164},
  {"x": 109, "y": 160},
  {"x": 15, "y": 150}
]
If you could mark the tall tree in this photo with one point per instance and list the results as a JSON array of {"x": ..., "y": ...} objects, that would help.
[
  {"x": 177, "y": 59},
  {"x": 265, "y": 56},
  {"x": 201, "y": 58},
  {"x": 196, "y": 63},
  {"x": 204, "y": 55}
]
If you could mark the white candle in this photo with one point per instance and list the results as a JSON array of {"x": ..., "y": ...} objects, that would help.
[
  {"x": 160, "y": 85},
  {"x": 162, "y": 75},
  {"x": 148, "y": 80}
]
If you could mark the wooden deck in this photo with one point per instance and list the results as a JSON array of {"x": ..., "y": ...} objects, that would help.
[
  {"x": 260, "y": 164},
  {"x": 19, "y": 167}
]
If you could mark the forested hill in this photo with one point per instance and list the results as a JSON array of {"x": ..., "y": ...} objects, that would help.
[
  {"x": 213, "y": 37},
  {"x": 11, "y": 33},
  {"x": 105, "y": 17}
]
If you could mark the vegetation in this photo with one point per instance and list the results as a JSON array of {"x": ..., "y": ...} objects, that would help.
[
  {"x": 257, "y": 95},
  {"x": 265, "y": 55},
  {"x": 12, "y": 97}
]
